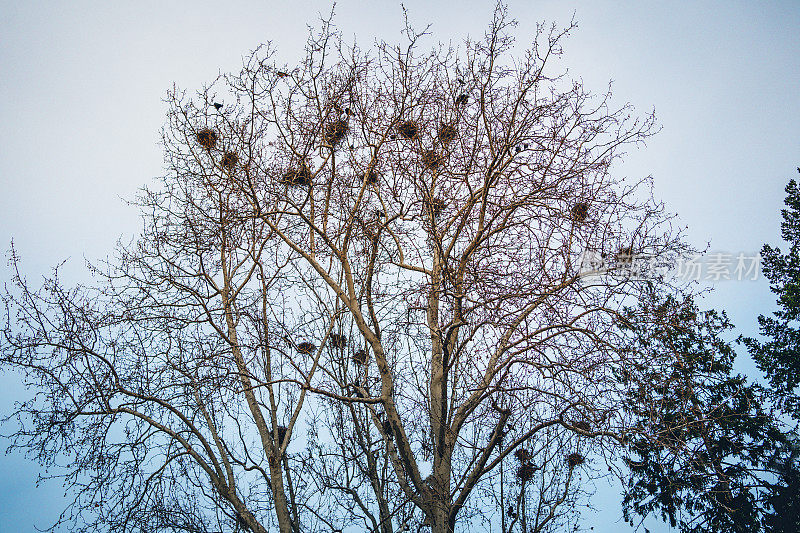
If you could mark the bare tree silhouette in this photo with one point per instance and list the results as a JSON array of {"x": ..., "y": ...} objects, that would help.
[{"x": 357, "y": 292}]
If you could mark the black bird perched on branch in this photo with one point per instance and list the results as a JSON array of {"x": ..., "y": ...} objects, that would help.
[{"x": 217, "y": 106}]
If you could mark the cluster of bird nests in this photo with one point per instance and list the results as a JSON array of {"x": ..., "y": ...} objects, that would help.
[
  {"x": 580, "y": 211},
  {"x": 447, "y": 133},
  {"x": 230, "y": 160},
  {"x": 207, "y": 138},
  {"x": 335, "y": 132},
  {"x": 338, "y": 341},
  {"x": 360, "y": 357},
  {"x": 431, "y": 159},
  {"x": 408, "y": 129},
  {"x": 300, "y": 176},
  {"x": 575, "y": 459}
]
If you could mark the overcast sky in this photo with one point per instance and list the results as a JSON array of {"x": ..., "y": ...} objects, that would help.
[{"x": 81, "y": 88}]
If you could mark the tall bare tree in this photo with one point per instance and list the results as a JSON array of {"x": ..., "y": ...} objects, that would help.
[{"x": 382, "y": 248}]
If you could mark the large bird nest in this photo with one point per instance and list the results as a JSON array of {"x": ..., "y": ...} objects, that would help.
[
  {"x": 522, "y": 455},
  {"x": 338, "y": 341},
  {"x": 432, "y": 159},
  {"x": 575, "y": 459},
  {"x": 583, "y": 425},
  {"x": 436, "y": 206},
  {"x": 300, "y": 176},
  {"x": 360, "y": 357},
  {"x": 624, "y": 255},
  {"x": 447, "y": 133},
  {"x": 335, "y": 132},
  {"x": 525, "y": 472},
  {"x": 207, "y": 138},
  {"x": 230, "y": 160},
  {"x": 580, "y": 211},
  {"x": 282, "y": 430},
  {"x": 371, "y": 176},
  {"x": 408, "y": 129},
  {"x": 306, "y": 347}
]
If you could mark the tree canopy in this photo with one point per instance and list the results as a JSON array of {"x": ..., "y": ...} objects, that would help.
[{"x": 357, "y": 303}]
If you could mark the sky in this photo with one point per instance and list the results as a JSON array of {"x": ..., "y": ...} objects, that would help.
[{"x": 81, "y": 104}]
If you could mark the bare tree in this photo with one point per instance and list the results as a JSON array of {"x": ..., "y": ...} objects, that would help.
[{"x": 382, "y": 248}]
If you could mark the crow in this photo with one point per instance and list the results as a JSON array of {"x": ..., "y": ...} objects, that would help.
[{"x": 217, "y": 106}]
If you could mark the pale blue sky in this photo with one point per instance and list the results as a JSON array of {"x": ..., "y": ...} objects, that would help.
[{"x": 81, "y": 85}]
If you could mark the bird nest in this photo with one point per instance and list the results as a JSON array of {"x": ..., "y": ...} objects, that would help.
[
  {"x": 335, "y": 132},
  {"x": 580, "y": 211},
  {"x": 462, "y": 99},
  {"x": 583, "y": 425},
  {"x": 408, "y": 129},
  {"x": 431, "y": 159},
  {"x": 522, "y": 455},
  {"x": 436, "y": 205},
  {"x": 282, "y": 430},
  {"x": 624, "y": 255},
  {"x": 575, "y": 459},
  {"x": 371, "y": 233},
  {"x": 207, "y": 138},
  {"x": 338, "y": 341},
  {"x": 360, "y": 357},
  {"x": 387, "y": 429},
  {"x": 230, "y": 160},
  {"x": 371, "y": 176},
  {"x": 306, "y": 348},
  {"x": 447, "y": 133},
  {"x": 525, "y": 472},
  {"x": 297, "y": 176}
]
